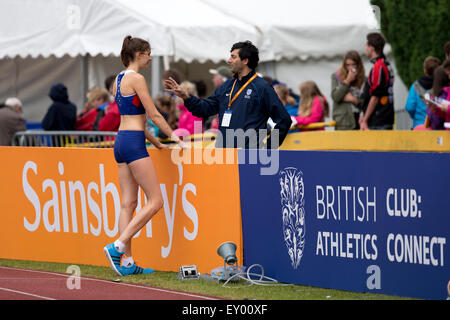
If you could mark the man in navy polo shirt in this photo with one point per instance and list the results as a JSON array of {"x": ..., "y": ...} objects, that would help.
[{"x": 244, "y": 104}]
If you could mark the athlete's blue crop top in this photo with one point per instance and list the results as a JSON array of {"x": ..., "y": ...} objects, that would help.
[{"x": 128, "y": 105}]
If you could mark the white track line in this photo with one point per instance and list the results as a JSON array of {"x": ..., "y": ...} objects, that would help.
[
  {"x": 115, "y": 283},
  {"x": 27, "y": 294}
]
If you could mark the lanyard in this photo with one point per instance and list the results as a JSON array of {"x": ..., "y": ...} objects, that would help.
[{"x": 231, "y": 100}]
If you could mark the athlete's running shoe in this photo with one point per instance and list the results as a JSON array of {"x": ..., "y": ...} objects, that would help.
[
  {"x": 114, "y": 257},
  {"x": 134, "y": 269}
]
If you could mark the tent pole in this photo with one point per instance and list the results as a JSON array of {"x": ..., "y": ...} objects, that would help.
[
  {"x": 156, "y": 76},
  {"x": 84, "y": 77}
]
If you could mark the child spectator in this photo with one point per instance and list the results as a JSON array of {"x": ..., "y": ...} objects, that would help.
[
  {"x": 188, "y": 123},
  {"x": 288, "y": 101},
  {"x": 166, "y": 106},
  {"x": 111, "y": 120},
  {"x": 88, "y": 120},
  {"x": 415, "y": 104},
  {"x": 437, "y": 115},
  {"x": 346, "y": 91},
  {"x": 313, "y": 105}
]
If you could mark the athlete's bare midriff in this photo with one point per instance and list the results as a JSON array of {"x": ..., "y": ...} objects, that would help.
[{"x": 132, "y": 122}]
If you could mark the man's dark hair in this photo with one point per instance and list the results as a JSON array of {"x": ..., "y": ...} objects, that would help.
[
  {"x": 377, "y": 41},
  {"x": 247, "y": 50}
]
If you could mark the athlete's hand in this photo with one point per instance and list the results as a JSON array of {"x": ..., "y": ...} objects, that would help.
[
  {"x": 162, "y": 146},
  {"x": 184, "y": 145}
]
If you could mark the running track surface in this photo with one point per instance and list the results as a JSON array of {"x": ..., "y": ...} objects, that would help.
[{"x": 21, "y": 284}]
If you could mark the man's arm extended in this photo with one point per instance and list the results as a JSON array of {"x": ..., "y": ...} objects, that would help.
[{"x": 199, "y": 107}]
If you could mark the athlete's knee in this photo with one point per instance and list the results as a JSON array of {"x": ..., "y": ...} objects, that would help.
[
  {"x": 157, "y": 202},
  {"x": 129, "y": 205}
]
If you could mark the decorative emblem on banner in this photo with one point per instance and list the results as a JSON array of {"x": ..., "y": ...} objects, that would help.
[{"x": 292, "y": 206}]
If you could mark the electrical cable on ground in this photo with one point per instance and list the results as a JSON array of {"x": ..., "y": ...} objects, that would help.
[{"x": 247, "y": 277}]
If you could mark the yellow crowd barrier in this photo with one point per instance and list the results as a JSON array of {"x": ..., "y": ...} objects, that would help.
[
  {"x": 375, "y": 140},
  {"x": 314, "y": 126}
]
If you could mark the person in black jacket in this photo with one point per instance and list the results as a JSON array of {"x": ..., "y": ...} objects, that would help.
[
  {"x": 244, "y": 104},
  {"x": 62, "y": 114}
]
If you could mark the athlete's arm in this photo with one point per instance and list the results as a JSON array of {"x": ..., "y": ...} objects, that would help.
[
  {"x": 140, "y": 86},
  {"x": 154, "y": 141}
]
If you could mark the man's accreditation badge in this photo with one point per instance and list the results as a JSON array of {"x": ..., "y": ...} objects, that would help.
[{"x": 226, "y": 119}]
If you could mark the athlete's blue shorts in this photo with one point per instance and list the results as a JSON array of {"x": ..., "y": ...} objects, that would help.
[{"x": 129, "y": 146}]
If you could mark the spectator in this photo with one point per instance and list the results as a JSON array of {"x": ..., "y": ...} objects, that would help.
[
  {"x": 166, "y": 106},
  {"x": 346, "y": 90},
  {"x": 288, "y": 101},
  {"x": 200, "y": 86},
  {"x": 88, "y": 120},
  {"x": 447, "y": 50},
  {"x": 171, "y": 73},
  {"x": 441, "y": 90},
  {"x": 221, "y": 75},
  {"x": 62, "y": 114},
  {"x": 11, "y": 120},
  {"x": 187, "y": 122},
  {"x": 14, "y": 104},
  {"x": 378, "y": 92},
  {"x": 415, "y": 104},
  {"x": 111, "y": 120},
  {"x": 313, "y": 105}
]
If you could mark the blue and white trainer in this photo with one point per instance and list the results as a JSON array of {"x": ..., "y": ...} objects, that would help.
[
  {"x": 114, "y": 257},
  {"x": 134, "y": 269}
]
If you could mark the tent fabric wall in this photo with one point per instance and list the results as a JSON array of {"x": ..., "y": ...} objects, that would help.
[{"x": 30, "y": 79}]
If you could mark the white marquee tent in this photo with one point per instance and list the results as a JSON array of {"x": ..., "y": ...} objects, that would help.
[{"x": 78, "y": 42}]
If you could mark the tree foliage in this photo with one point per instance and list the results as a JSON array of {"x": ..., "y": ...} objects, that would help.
[{"x": 415, "y": 29}]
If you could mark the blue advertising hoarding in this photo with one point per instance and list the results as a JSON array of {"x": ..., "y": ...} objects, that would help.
[{"x": 360, "y": 221}]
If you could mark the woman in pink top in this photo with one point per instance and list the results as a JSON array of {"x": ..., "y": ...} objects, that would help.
[
  {"x": 188, "y": 123},
  {"x": 313, "y": 105}
]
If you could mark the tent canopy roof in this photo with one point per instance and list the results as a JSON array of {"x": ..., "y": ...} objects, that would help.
[
  {"x": 186, "y": 29},
  {"x": 304, "y": 28}
]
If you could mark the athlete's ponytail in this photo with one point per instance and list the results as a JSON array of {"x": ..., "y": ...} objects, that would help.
[{"x": 130, "y": 47}]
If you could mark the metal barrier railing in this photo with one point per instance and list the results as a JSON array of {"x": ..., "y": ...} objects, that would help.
[
  {"x": 68, "y": 139},
  {"x": 105, "y": 139}
]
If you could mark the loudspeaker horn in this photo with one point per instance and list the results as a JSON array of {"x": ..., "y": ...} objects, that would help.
[{"x": 227, "y": 251}]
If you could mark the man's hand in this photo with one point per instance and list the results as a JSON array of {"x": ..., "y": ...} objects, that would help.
[
  {"x": 172, "y": 86},
  {"x": 363, "y": 124}
]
